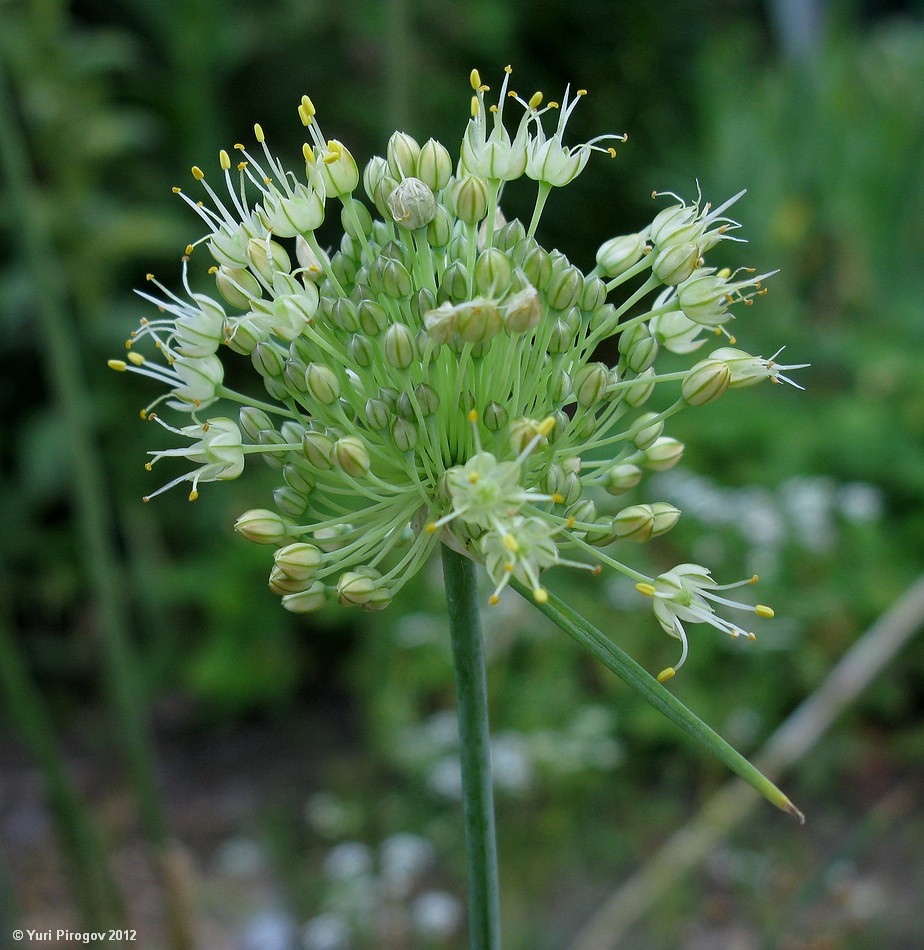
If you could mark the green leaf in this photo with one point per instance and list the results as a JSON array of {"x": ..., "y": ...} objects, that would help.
[{"x": 620, "y": 663}]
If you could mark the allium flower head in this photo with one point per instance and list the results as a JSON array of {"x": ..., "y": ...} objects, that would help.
[{"x": 432, "y": 376}]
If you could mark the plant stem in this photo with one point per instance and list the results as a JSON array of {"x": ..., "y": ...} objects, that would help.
[{"x": 474, "y": 750}]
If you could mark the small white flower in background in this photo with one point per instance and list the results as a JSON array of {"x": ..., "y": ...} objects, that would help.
[{"x": 431, "y": 378}]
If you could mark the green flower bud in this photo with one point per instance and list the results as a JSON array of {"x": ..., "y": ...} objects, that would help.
[
  {"x": 621, "y": 478},
  {"x": 280, "y": 583},
  {"x": 493, "y": 273},
  {"x": 319, "y": 450},
  {"x": 381, "y": 598},
  {"x": 355, "y": 589},
  {"x": 239, "y": 287},
  {"x": 405, "y": 408},
  {"x": 382, "y": 191},
  {"x": 648, "y": 427},
  {"x": 345, "y": 314},
  {"x": 427, "y": 399},
  {"x": 378, "y": 415},
  {"x": 376, "y": 169},
  {"x": 605, "y": 316},
  {"x": 562, "y": 387},
  {"x": 333, "y": 538},
  {"x": 494, "y": 417},
  {"x": 478, "y": 320},
  {"x": 253, "y": 420},
  {"x": 306, "y": 601},
  {"x": 267, "y": 258},
  {"x": 635, "y": 523},
  {"x": 293, "y": 371},
  {"x": 602, "y": 535},
  {"x": 467, "y": 198},
  {"x": 510, "y": 235},
  {"x": 454, "y": 285},
  {"x": 705, "y": 382},
  {"x": 267, "y": 360},
  {"x": 637, "y": 392},
  {"x": 583, "y": 510},
  {"x": 404, "y": 435},
  {"x": 675, "y": 263},
  {"x": 662, "y": 454},
  {"x": 643, "y": 354},
  {"x": 299, "y": 561},
  {"x": 399, "y": 346},
  {"x": 322, "y": 383},
  {"x": 290, "y": 501},
  {"x": 593, "y": 296},
  {"x": 262, "y": 526},
  {"x": 389, "y": 396},
  {"x": 590, "y": 383},
  {"x": 523, "y": 310},
  {"x": 439, "y": 230},
  {"x": 298, "y": 478},
  {"x": 537, "y": 266},
  {"x": 412, "y": 204},
  {"x": 665, "y": 517},
  {"x": 372, "y": 317},
  {"x": 361, "y": 350},
  {"x": 434, "y": 165},
  {"x": 402, "y": 153},
  {"x": 616, "y": 256},
  {"x": 675, "y": 225},
  {"x": 561, "y": 337},
  {"x": 565, "y": 287},
  {"x": 351, "y": 455}
]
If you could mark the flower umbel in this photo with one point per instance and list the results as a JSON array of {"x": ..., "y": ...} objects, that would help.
[{"x": 432, "y": 378}]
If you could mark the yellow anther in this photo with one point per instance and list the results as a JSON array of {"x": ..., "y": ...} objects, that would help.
[
  {"x": 612, "y": 152},
  {"x": 136, "y": 359},
  {"x": 666, "y": 675},
  {"x": 492, "y": 108},
  {"x": 242, "y": 165},
  {"x": 189, "y": 249},
  {"x": 304, "y": 116},
  {"x": 644, "y": 588},
  {"x": 308, "y": 152},
  {"x": 149, "y": 277},
  {"x": 512, "y": 94},
  {"x": 546, "y": 426},
  {"x": 754, "y": 579},
  {"x": 258, "y": 132},
  {"x": 193, "y": 495},
  {"x": 431, "y": 527},
  {"x": 493, "y": 600},
  {"x": 308, "y": 106},
  {"x": 143, "y": 414},
  {"x": 762, "y": 610},
  {"x": 596, "y": 570},
  {"x": 582, "y": 92},
  {"x": 197, "y": 173},
  {"x": 239, "y": 146},
  {"x": 267, "y": 180},
  {"x": 540, "y": 595},
  {"x": 570, "y": 523},
  {"x": 176, "y": 190},
  {"x": 334, "y": 153},
  {"x": 553, "y": 105},
  {"x": 558, "y": 499},
  {"x": 752, "y": 636},
  {"x": 118, "y": 365},
  {"x": 224, "y": 160},
  {"x": 535, "y": 100},
  {"x": 508, "y": 69},
  {"x": 508, "y": 567},
  {"x": 732, "y": 340},
  {"x": 146, "y": 499},
  {"x": 148, "y": 467},
  {"x": 511, "y": 543},
  {"x": 475, "y": 106},
  {"x": 475, "y": 79},
  {"x": 473, "y": 415},
  {"x": 213, "y": 269}
]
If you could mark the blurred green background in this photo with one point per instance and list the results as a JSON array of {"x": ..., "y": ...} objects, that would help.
[{"x": 295, "y": 777}]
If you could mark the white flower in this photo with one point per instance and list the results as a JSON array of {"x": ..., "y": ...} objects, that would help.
[
  {"x": 494, "y": 154},
  {"x": 686, "y": 594}
]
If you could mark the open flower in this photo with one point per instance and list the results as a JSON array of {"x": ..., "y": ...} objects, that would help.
[{"x": 686, "y": 594}]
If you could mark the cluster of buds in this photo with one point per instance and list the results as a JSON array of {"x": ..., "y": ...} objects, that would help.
[{"x": 432, "y": 379}]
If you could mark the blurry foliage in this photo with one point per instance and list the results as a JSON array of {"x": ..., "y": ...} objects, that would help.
[{"x": 118, "y": 101}]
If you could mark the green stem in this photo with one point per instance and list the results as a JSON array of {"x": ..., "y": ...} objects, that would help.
[
  {"x": 95, "y": 890},
  {"x": 474, "y": 750}
]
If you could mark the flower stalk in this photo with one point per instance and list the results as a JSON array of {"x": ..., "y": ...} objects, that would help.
[{"x": 474, "y": 749}]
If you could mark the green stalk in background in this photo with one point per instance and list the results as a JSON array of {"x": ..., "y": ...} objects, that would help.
[
  {"x": 474, "y": 749},
  {"x": 95, "y": 890},
  {"x": 92, "y": 513}
]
